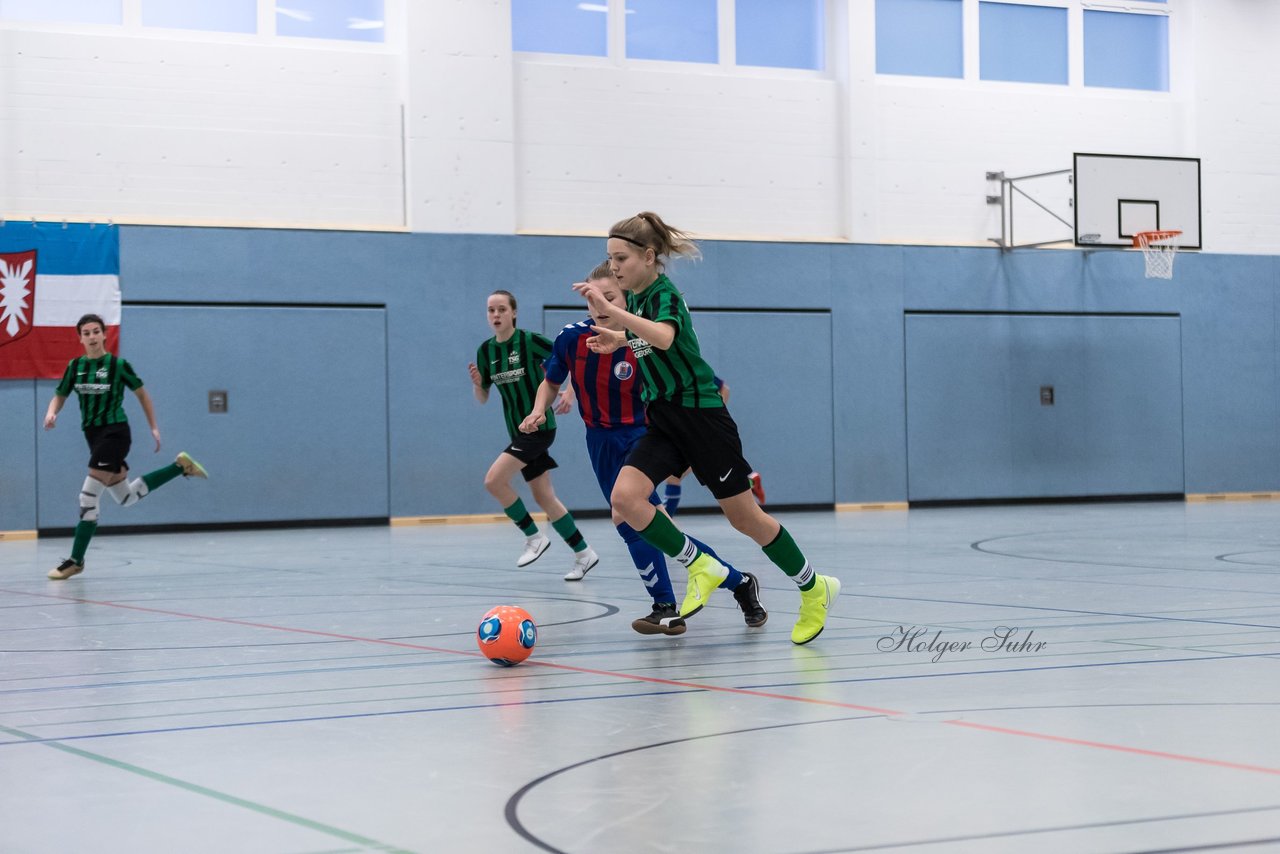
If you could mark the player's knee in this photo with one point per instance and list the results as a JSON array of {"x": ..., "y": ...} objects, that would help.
[
  {"x": 750, "y": 520},
  {"x": 494, "y": 483},
  {"x": 127, "y": 492},
  {"x": 90, "y": 494},
  {"x": 760, "y": 527},
  {"x": 626, "y": 501}
]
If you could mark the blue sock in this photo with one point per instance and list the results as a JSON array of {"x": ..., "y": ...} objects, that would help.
[
  {"x": 734, "y": 578},
  {"x": 650, "y": 563},
  {"x": 673, "y": 498}
]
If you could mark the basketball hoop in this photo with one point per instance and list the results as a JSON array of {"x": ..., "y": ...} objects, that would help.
[{"x": 1158, "y": 250}]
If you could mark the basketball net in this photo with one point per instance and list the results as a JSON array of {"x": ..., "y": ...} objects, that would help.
[{"x": 1159, "y": 248}]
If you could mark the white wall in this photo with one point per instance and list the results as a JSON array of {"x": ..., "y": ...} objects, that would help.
[
  {"x": 1237, "y": 120},
  {"x": 935, "y": 146},
  {"x": 926, "y": 144},
  {"x": 893, "y": 159},
  {"x": 724, "y": 155},
  {"x": 863, "y": 157},
  {"x": 98, "y": 126},
  {"x": 460, "y": 117},
  {"x": 173, "y": 130}
]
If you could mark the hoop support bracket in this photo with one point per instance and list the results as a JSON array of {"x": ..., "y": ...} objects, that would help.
[{"x": 1008, "y": 187}]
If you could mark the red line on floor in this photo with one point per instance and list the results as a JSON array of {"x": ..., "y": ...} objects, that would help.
[
  {"x": 1100, "y": 745},
  {"x": 548, "y": 664},
  {"x": 1158, "y": 754}
]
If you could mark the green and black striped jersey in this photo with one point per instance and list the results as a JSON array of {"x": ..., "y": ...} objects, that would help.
[
  {"x": 515, "y": 367},
  {"x": 678, "y": 374},
  {"x": 100, "y": 385}
]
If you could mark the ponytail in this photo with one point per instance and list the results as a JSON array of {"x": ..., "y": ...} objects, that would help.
[{"x": 646, "y": 230}]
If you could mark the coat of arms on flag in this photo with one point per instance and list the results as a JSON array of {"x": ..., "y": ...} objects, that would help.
[
  {"x": 51, "y": 275},
  {"x": 17, "y": 294}
]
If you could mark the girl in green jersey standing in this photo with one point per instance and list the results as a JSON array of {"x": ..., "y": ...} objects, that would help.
[
  {"x": 689, "y": 424},
  {"x": 512, "y": 360}
]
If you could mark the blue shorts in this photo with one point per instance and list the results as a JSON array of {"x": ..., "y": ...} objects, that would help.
[{"x": 608, "y": 449}]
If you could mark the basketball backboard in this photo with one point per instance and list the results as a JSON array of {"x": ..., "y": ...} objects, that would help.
[{"x": 1119, "y": 195}]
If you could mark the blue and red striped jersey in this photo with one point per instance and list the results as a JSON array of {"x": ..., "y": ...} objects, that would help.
[{"x": 607, "y": 386}]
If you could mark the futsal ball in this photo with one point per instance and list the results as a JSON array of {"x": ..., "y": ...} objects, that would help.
[{"x": 506, "y": 635}]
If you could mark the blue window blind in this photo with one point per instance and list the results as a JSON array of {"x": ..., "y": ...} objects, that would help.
[
  {"x": 921, "y": 37},
  {"x": 224, "y": 16},
  {"x": 679, "y": 30},
  {"x": 1022, "y": 43},
  {"x": 63, "y": 11},
  {"x": 780, "y": 33},
  {"x": 560, "y": 26},
  {"x": 1124, "y": 51},
  {"x": 349, "y": 20}
]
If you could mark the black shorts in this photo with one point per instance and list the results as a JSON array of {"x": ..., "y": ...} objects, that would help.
[
  {"x": 531, "y": 449},
  {"x": 108, "y": 446},
  {"x": 705, "y": 440}
]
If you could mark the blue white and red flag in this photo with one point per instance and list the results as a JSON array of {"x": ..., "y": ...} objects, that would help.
[{"x": 52, "y": 274}]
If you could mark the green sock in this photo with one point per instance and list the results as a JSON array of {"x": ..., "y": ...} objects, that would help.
[
  {"x": 516, "y": 513},
  {"x": 663, "y": 535},
  {"x": 84, "y": 533},
  {"x": 566, "y": 528},
  {"x": 787, "y": 556},
  {"x": 158, "y": 478}
]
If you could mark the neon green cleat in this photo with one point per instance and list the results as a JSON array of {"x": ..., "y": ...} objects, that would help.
[
  {"x": 705, "y": 575},
  {"x": 190, "y": 468},
  {"x": 814, "y": 605}
]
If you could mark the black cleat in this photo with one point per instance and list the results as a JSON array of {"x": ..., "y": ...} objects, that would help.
[
  {"x": 665, "y": 620},
  {"x": 748, "y": 595}
]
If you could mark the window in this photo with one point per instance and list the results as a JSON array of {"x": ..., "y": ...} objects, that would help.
[
  {"x": 1028, "y": 41},
  {"x": 1126, "y": 51},
  {"x": 680, "y": 30},
  {"x": 225, "y": 16},
  {"x": 349, "y": 20},
  {"x": 560, "y": 26},
  {"x": 780, "y": 33},
  {"x": 1023, "y": 43},
  {"x": 759, "y": 33},
  {"x": 63, "y": 11},
  {"x": 345, "y": 20},
  {"x": 920, "y": 37}
]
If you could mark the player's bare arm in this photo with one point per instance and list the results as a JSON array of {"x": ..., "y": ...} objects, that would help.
[
  {"x": 605, "y": 340},
  {"x": 538, "y": 415},
  {"x": 564, "y": 401},
  {"x": 51, "y": 414},
  {"x": 477, "y": 383},
  {"x": 661, "y": 335},
  {"x": 148, "y": 409}
]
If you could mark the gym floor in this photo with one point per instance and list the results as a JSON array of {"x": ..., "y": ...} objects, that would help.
[{"x": 1047, "y": 678}]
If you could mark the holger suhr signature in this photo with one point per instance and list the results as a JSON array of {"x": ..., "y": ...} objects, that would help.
[{"x": 1007, "y": 639}]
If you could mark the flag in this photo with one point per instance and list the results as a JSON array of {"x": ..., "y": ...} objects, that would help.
[{"x": 51, "y": 274}]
